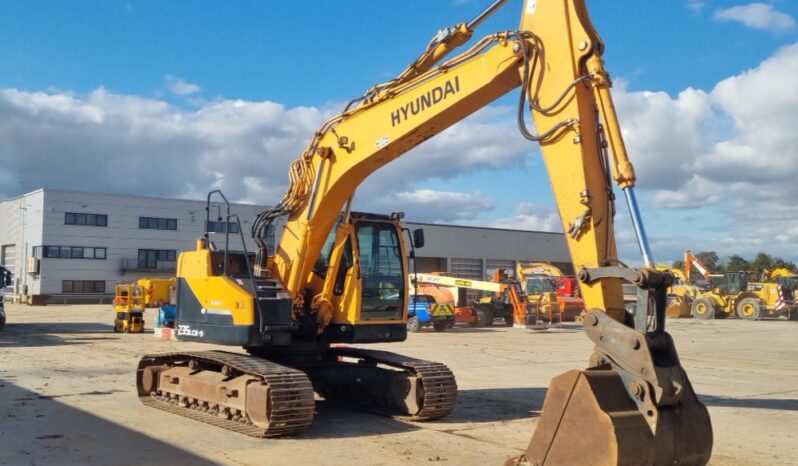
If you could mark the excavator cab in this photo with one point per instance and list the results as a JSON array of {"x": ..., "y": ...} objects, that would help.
[
  {"x": 538, "y": 285},
  {"x": 364, "y": 265}
]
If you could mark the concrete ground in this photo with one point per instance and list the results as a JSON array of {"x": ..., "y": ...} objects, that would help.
[{"x": 67, "y": 397}]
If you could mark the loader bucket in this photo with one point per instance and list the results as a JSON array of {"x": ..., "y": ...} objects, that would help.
[
  {"x": 678, "y": 309},
  {"x": 590, "y": 418}
]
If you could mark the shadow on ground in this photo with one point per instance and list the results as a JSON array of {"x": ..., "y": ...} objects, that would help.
[
  {"x": 497, "y": 404},
  {"x": 784, "y": 404},
  {"x": 333, "y": 421},
  {"x": 459, "y": 329},
  {"x": 42, "y": 430},
  {"x": 62, "y": 327},
  {"x": 50, "y": 334},
  {"x": 473, "y": 406}
]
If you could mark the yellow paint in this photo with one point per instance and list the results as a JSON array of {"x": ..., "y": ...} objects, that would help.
[{"x": 215, "y": 293}]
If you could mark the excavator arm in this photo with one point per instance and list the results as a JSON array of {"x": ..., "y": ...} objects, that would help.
[
  {"x": 691, "y": 261},
  {"x": 634, "y": 404}
]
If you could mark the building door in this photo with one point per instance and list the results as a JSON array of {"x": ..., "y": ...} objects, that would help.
[
  {"x": 8, "y": 256},
  {"x": 492, "y": 265},
  {"x": 467, "y": 268}
]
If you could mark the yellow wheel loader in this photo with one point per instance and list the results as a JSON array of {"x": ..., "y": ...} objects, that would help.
[{"x": 734, "y": 294}]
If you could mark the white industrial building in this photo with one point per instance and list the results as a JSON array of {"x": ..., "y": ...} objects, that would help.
[{"x": 68, "y": 246}]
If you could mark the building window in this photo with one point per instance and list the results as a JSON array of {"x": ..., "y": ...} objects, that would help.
[
  {"x": 69, "y": 252},
  {"x": 154, "y": 223},
  {"x": 92, "y": 220},
  {"x": 83, "y": 286},
  {"x": 221, "y": 227},
  {"x": 150, "y": 258}
]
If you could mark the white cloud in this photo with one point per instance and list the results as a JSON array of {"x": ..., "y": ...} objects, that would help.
[
  {"x": 696, "y": 6},
  {"x": 109, "y": 142},
  {"x": 733, "y": 148},
  {"x": 663, "y": 134},
  {"x": 758, "y": 16},
  {"x": 531, "y": 217},
  {"x": 697, "y": 191},
  {"x": 427, "y": 205},
  {"x": 180, "y": 86},
  {"x": 120, "y": 143}
]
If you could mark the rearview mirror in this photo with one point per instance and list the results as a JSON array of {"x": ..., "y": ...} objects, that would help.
[{"x": 418, "y": 238}]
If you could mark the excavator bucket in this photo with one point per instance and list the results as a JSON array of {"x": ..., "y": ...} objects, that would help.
[
  {"x": 608, "y": 415},
  {"x": 589, "y": 419}
]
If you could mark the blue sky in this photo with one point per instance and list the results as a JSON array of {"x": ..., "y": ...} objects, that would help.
[
  {"x": 143, "y": 65},
  {"x": 312, "y": 52}
]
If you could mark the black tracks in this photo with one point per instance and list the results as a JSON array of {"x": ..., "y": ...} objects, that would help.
[
  {"x": 290, "y": 393},
  {"x": 439, "y": 385}
]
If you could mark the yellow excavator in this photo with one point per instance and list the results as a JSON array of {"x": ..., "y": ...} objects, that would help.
[
  {"x": 548, "y": 288},
  {"x": 339, "y": 277}
]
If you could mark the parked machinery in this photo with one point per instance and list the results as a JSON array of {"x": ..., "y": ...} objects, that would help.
[
  {"x": 129, "y": 308},
  {"x": 510, "y": 304},
  {"x": 465, "y": 309},
  {"x": 774, "y": 299},
  {"x": 548, "y": 289},
  {"x": 430, "y": 306},
  {"x": 681, "y": 294},
  {"x": 157, "y": 291},
  {"x": 788, "y": 291},
  {"x": 633, "y": 405},
  {"x": 734, "y": 293},
  {"x": 132, "y": 299}
]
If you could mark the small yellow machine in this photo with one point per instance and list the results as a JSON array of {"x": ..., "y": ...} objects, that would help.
[
  {"x": 156, "y": 291},
  {"x": 129, "y": 308}
]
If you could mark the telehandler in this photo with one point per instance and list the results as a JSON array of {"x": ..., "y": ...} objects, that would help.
[{"x": 339, "y": 277}]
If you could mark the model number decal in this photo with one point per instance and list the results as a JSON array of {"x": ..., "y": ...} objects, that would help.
[{"x": 188, "y": 331}]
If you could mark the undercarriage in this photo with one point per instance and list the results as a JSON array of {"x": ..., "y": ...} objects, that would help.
[{"x": 275, "y": 397}]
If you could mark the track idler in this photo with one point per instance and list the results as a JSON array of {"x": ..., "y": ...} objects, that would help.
[{"x": 634, "y": 406}]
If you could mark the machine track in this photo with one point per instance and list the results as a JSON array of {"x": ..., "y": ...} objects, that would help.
[
  {"x": 290, "y": 394},
  {"x": 437, "y": 388}
]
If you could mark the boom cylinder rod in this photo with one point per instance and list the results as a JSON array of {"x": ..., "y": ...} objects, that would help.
[
  {"x": 315, "y": 188},
  {"x": 637, "y": 223},
  {"x": 486, "y": 13}
]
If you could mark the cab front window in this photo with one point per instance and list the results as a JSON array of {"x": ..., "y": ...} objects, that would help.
[{"x": 381, "y": 271}]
